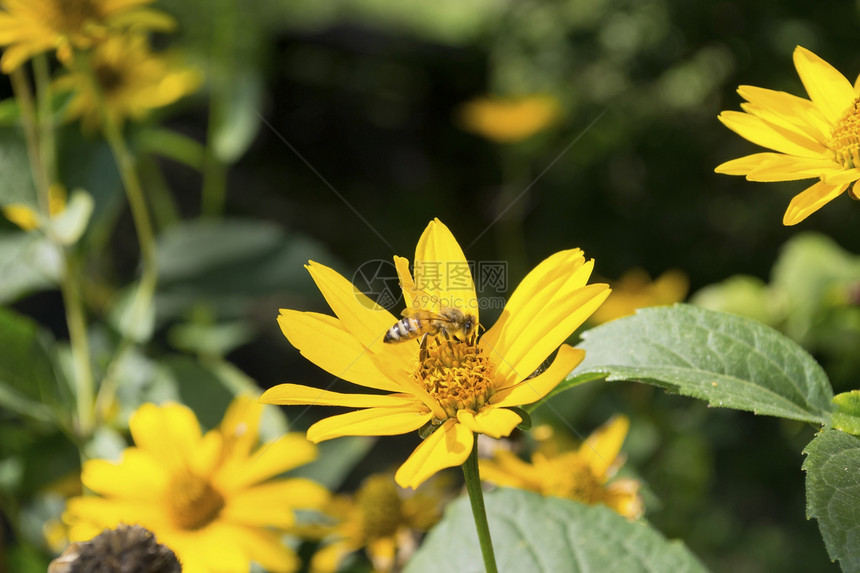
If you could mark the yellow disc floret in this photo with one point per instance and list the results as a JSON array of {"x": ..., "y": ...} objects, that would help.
[
  {"x": 193, "y": 502},
  {"x": 456, "y": 373},
  {"x": 845, "y": 137}
]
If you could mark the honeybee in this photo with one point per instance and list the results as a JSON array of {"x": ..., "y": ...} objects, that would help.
[{"x": 452, "y": 322}]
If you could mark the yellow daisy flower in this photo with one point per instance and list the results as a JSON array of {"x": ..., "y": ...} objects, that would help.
[
  {"x": 506, "y": 120},
  {"x": 133, "y": 81},
  {"x": 459, "y": 385},
  {"x": 815, "y": 138},
  {"x": 26, "y": 216},
  {"x": 208, "y": 497},
  {"x": 382, "y": 518},
  {"x": 30, "y": 27},
  {"x": 636, "y": 290},
  {"x": 582, "y": 474}
]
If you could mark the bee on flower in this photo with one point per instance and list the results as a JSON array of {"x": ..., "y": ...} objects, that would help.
[{"x": 452, "y": 387}]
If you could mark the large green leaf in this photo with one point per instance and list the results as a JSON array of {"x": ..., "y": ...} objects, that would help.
[
  {"x": 730, "y": 361},
  {"x": 547, "y": 535},
  {"x": 833, "y": 493},
  {"x": 16, "y": 179},
  {"x": 28, "y": 380}
]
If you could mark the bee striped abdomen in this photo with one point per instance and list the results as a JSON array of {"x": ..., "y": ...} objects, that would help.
[{"x": 406, "y": 328}]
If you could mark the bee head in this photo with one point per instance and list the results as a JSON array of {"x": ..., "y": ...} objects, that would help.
[{"x": 469, "y": 325}]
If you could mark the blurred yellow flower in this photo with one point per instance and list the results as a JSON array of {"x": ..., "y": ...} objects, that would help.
[
  {"x": 815, "y": 138},
  {"x": 582, "y": 474},
  {"x": 132, "y": 79},
  {"x": 458, "y": 386},
  {"x": 506, "y": 120},
  {"x": 208, "y": 497},
  {"x": 382, "y": 518},
  {"x": 30, "y": 27},
  {"x": 26, "y": 216},
  {"x": 635, "y": 290}
]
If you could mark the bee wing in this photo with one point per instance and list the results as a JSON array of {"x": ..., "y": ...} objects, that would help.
[
  {"x": 421, "y": 314},
  {"x": 424, "y": 300}
]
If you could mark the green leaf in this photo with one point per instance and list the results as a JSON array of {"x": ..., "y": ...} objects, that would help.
[
  {"x": 28, "y": 381},
  {"x": 228, "y": 264},
  {"x": 16, "y": 184},
  {"x": 547, "y": 535},
  {"x": 28, "y": 262},
  {"x": 833, "y": 494},
  {"x": 237, "y": 119},
  {"x": 847, "y": 414},
  {"x": 730, "y": 361},
  {"x": 171, "y": 144}
]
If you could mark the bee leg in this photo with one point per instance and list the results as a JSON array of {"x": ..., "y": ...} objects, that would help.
[{"x": 422, "y": 354}]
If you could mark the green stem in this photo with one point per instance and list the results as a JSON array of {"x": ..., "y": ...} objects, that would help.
[
  {"x": 476, "y": 498},
  {"x": 44, "y": 92},
  {"x": 136, "y": 200},
  {"x": 40, "y": 141}
]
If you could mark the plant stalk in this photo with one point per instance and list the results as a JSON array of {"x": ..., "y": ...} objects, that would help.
[{"x": 476, "y": 498}]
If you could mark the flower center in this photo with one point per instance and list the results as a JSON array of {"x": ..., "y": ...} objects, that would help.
[
  {"x": 456, "y": 373},
  {"x": 571, "y": 478},
  {"x": 380, "y": 507},
  {"x": 72, "y": 16},
  {"x": 109, "y": 78},
  {"x": 193, "y": 502},
  {"x": 845, "y": 137}
]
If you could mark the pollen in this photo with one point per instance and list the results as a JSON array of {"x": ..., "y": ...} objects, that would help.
[
  {"x": 845, "y": 137},
  {"x": 193, "y": 502},
  {"x": 380, "y": 506},
  {"x": 456, "y": 373}
]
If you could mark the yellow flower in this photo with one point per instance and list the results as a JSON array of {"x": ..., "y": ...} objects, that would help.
[
  {"x": 30, "y": 27},
  {"x": 380, "y": 517},
  {"x": 580, "y": 474},
  {"x": 132, "y": 79},
  {"x": 635, "y": 290},
  {"x": 27, "y": 218},
  {"x": 507, "y": 120},
  {"x": 460, "y": 387},
  {"x": 815, "y": 138},
  {"x": 206, "y": 496}
]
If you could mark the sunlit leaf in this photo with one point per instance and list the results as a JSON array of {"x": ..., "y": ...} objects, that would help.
[
  {"x": 69, "y": 225},
  {"x": 547, "y": 535},
  {"x": 833, "y": 493},
  {"x": 730, "y": 361},
  {"x": 846, "y": 417}
]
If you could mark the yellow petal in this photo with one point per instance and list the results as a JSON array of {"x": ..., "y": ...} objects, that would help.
[
  {"x": 448, "y": 446},
  {"x": 541, "y": 293},
  {"x": 154, "y": 426},
  {"x": 108, "y": 513},
  {"x": 506, "y": 469},
  {"x": 788, "y": 168},
  {"x": 22, "y": 215},
  {"x": 828, "y": 88},
  {"x": 802, "y": 135},
  {"x": 323, "y": 340},
  {"x": 533, "y": 389},
  {"x": 407, "y": 284},
  {"x": 602, "y": 447},
  {"x": 801, "y": 112},
  {"x": 359, "y": 315},
  {"x": 524, "y": 346},
  {"x": 766, "y": 134},
  {"x": 811, "y": 200},
  {"x": 838, "y": 177},
  {"x": 266, "y": 548},
  {"x": 494, "y": 422},
  {"x": 442, "y": 271},
  {"x": 272, "y": 503},
  {"x": 371, "y": 422},
  {"x": 297, "y": 395},
  {"x": 745, "y": 164},
  {"x": 240, "y": 423},
  {"x": 138, "y": 476},
  {"x": 276, "y": 457},
  {"x": 329, "y": 558}
]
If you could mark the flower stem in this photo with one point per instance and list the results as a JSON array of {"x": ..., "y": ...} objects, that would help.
[
  {"x": 40, "y": 141},
  {"x": 476, "y": 498},
  {"x": 134, "y": 192}
]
